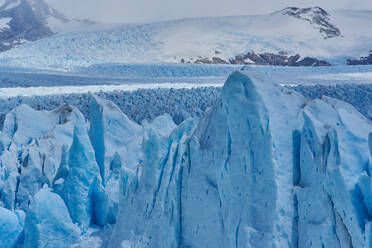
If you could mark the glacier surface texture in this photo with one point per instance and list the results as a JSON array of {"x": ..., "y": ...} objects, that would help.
[{"x": 263, "y": 167}]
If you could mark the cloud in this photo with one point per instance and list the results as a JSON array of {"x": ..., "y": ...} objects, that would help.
[{"x": 125, "y": 11}]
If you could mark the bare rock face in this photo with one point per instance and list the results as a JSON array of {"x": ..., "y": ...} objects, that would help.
[
  {"x": 251, "y": 58},
  {"x": 317, "y": 17},
  {"x": 308, "y": 61},
  {"x": 362, "y": 61},
  {"x": 214, "y": 60},
  {"x": 25, "y": 20}
]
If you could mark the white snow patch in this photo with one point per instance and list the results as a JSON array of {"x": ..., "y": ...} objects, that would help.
[
  {"x": 54, "y": 24},
  {"x": 2, "y": 2},
  {"x": 249, "y": 61},
  {"x": 4, "y": 22},
  {"x": 12, "y": 5}
]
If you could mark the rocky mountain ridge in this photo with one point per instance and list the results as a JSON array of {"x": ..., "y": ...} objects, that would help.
[
  {"x": 317, "y": 17},
  {"x": 25, "y": 20},
  {"x": 367, "y": 60},
  {"x": 251, "y": 58}
]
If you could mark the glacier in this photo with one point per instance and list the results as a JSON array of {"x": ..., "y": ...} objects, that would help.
[
  {"x": 264, "y": 166},
  {"x": 11, "y": 227},
  {"x": 338, "y": 35},
  {"x": 138, "y": 105},
  {"x": 48, "y": 223}
]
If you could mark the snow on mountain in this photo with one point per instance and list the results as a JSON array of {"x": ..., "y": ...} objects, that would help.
[
  {"x": 30, "y": 20},
  {"x": 293, "y": 30},
  {"x": 4, "y": 23},
  {"x": 25, "y": 21},
  {"x": 317, "y": 17},
  {"x": 264, "y": 166},
  {"x": 354, "y": 26}
]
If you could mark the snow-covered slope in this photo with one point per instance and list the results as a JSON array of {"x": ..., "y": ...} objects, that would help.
[
  {"x": 308, "y": 32},
  {"x": 264, "y": 167},
  {"x": 318, "y": 17}
]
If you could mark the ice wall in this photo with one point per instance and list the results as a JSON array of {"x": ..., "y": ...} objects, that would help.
[
  {"x": 48, "y": 223},
  {"x": 264, "y": 166}
]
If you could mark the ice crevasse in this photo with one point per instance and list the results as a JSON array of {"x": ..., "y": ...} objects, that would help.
[{"x": 263, "y": 167}]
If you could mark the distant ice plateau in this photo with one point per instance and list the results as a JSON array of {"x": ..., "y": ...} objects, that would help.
[{"x": 45, "y": 38}]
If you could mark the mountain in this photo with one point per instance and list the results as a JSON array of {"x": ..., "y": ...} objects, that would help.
[
  {"x": 317, "y": 17},
  {"x": 365, "y": 60},
  {"x": 30, "y": 20},
  {"x": 25, "y": 20},
  {"x": 333, "y": 36},
  {"x": 251, "y": 58},
  {"x": 264, "y": 166}
]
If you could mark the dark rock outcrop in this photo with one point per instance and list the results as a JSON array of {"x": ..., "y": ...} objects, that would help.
[
  {"x": 28, "y": 22},
  {"x": 317, "y": 17},
  {"x": 308, "y": 61},
  {"x": 362, "y": 61},
  {"x": 214, "y": 60},
  {"x": 251, "y": 58}
]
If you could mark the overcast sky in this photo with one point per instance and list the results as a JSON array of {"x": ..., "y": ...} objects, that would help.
[{"x": 125, "y": 11}]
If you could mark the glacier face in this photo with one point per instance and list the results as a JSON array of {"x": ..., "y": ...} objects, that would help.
[
  {"x": 48, "y": 223},
  {"x": 263, "y": 166}
]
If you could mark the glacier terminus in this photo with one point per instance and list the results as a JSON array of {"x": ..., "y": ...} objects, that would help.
[{"x": 263, "y": 167}]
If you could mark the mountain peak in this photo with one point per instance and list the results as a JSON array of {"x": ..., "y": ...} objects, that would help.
[
  {"x": 301, "y": 11},
  {"x": 315, "y": 16},
  {"x": 44, "y": 11},
  {"x": 26, "y": 20}
]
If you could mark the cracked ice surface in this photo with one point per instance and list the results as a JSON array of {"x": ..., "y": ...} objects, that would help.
[{"x": 264, "y": 166}]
